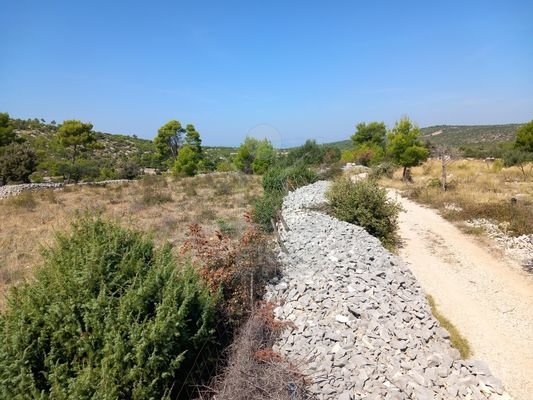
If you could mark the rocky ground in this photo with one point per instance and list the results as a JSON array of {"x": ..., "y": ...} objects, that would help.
[
  {"x": 362, "y": 325},
  {"x": 519, "y": 248}
]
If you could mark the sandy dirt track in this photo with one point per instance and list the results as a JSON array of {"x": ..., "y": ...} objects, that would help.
[{"x": 488, "y": 297}]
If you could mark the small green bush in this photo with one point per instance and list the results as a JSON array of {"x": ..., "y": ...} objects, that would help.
[
  {"x": 281, "y": 180},
  {"x": 129, "y": 169},
  {"x": 276, "y": 182},
  {"x": 383, "y": 169},
  {"x": 366, "y": 204},
  {"x": 17, "y": 163},
  {"x": 107, "y": 317},
  {"x": 265, "y": 208}
]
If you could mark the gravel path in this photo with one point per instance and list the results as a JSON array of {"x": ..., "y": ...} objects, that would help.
[
  {"x": 488, "y": 297},
  {"x": 362, "y": 326}
]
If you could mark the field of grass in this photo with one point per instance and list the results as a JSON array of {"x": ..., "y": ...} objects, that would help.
[
  {"x": 161, "y": 206},
  {"x": 477, "y": 189}
]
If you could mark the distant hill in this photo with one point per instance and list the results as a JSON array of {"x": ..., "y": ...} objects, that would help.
[
  {"x": 459, "y": 135},
  {"x": 113, "y": 147}
]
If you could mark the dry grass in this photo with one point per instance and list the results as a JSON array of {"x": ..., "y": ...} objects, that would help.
[
  {"x": 458, "y": 340},
  {"x": 161, "y": 206},
  {"x": 476, "y": 190},
  {"x": 254, "y": 370}
]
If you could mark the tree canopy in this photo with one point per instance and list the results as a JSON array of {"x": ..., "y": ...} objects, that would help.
[
  {"x": 7, "y": 133},
  {"x": 373, "y": 132},
  {"x": 524, "y": 137},
  {"x": 169, "y": 139},
  {"x": 76, "y": 136},
  {"x": 404, "y": 145},
  {"x": 192, "y": 138},
  {"x": 246, "y": 155},
  {"x": 255, "y": 155},
  {"x": 187, "y": 161},
  {"x": 265, "y": 156},
  {"x": 190, "y": 156}
]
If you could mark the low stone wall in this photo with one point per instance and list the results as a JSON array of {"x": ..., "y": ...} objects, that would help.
[
  {"x": 362, "y": 326},
  {"x": 13, "y": 190}
]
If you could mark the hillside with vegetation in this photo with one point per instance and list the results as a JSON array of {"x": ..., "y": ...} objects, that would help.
[
  {"x": 466, "y": 136},
  {"x": 458, "y": 135},
  {"x": 73, "y": 151}
]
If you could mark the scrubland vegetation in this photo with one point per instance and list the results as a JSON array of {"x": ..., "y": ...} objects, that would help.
[
  {"x": 160, "y": 206},
  {"x": 367, "y": 205},
  {"x": 476, "y": 189},
  {"x": 150, "y": 281},
  {"x": 145, "y": 304}
]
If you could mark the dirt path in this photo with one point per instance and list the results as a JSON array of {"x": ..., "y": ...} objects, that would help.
[{"x": 487, "y": 297}]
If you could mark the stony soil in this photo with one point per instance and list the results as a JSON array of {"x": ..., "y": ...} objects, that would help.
[{"x": 362, "y": 325}]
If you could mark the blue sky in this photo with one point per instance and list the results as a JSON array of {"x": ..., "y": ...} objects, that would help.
[{"x": 288, "y": 70}]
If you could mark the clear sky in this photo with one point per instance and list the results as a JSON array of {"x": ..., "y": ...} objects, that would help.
[{"x": 289, "y": 70}]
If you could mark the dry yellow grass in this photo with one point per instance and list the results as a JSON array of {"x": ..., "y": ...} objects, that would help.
[
  {"x": 477, "y": 189},
  {"x": 161, "y": 206}
]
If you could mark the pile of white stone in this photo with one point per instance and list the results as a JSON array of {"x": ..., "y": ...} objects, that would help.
[
  {"x": 362, "y": 326},
  {"x": 13, "y": 190},
  {"x": 518, "y": 247}
]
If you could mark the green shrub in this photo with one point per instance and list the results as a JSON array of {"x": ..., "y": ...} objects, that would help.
[
  {"x": 107, "y": 173},
  {"x": 366, "y": 204},
  {"x": 108, "y": 317},
  {"x": 17, "y": 163},
  {"x": 280, "y": 179},
  {"x": 80, "y": 170},
  {"x": 129, "y": 169},
  {"x": 276, "y": 182},
  {"x": 265, "y": 208},
  {"x": 383, "y": 169}
]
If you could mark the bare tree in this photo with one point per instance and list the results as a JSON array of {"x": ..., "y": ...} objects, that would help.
[{"x": 447, "y": 155}]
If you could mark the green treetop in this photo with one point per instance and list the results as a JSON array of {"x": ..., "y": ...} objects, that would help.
[
  {"x": 524, "y": 137},
  {"x": 169, "y": 139},
  {"x": 76, "y": 136},
  {"x": 7, "y": 134},
  {"x": 192, "y": 138},
  {"x": 246, "y": 155},
  {"x": 373, "y": 132},
  {"x": 265, "y": 155},
  {"x": 404, "y": 145}
]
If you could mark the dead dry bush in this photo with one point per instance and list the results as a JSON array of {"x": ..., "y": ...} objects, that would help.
[
  {"x": 254, "y": 370},
  {"x": 237, "y": 269}
]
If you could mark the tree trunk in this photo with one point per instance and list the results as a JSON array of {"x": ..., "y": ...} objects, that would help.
[
  {"x": 444, "y": 175},
  {"x": 404, "y": 174}
]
